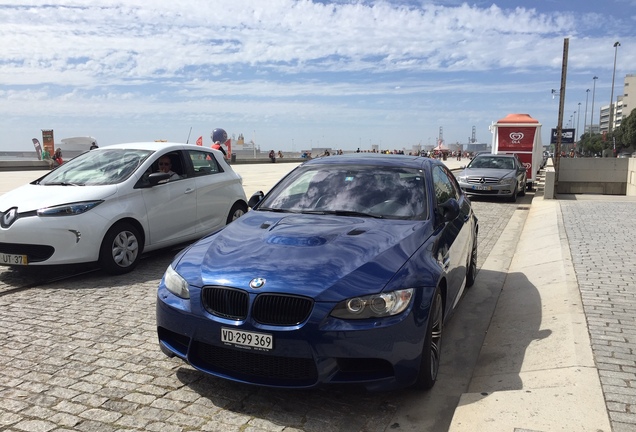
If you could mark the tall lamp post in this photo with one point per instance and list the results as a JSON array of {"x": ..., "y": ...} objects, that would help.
[
  {"x": 592, "y": 113},
  {"x": 611, "y": 123},
  {"x": 587, "y": 94},
  {"x": 578, "y": 123}
]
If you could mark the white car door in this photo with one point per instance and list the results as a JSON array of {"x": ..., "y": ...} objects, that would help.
[
  {"x": 214, "y": 192},
  {"x": 171, "y": 208}
]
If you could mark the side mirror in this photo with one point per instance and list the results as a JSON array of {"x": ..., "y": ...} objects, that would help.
[
  {"x": 255, "y": 199},
  {"x": 449, "y": 210},
  {"x": 156, "y": 178}
]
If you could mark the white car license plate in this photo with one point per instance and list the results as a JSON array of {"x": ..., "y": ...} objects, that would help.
[
  {"x": 12, "y": 259},
  {"x": 263, "y": 341},
  {"x": 482, "y": 187}
]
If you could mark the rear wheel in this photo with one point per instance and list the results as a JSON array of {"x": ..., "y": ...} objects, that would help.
[
  {"x": 431, "y": 352},
  {"x": 121, "y": 249},
  {"x": 238, "y": 210}
]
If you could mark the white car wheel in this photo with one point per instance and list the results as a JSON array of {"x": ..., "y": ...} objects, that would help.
[
  {"x": 238, "y": 210},
  {"x": 120, "y": 249}
]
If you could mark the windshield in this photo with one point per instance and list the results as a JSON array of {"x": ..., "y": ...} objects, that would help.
[
  {"x": 492, "y": 162},
  {"x": 351, "y": 190},
  {"x": 97, "y": 167}
]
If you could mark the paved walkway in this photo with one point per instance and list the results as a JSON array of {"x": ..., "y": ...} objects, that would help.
[
  {"x": 598, "y": 230},
  {"x": 560, "y": 353}
]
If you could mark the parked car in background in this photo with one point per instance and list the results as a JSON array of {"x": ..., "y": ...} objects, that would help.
[
  {"x": 544, "y": 160},
  {"x": 110, "y": 204},
  {"x": 496, "y": 175},
  {"x": 345, "y": 272}
]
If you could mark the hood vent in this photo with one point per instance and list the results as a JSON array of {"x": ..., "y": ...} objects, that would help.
[{"x": 356, "y": 231}]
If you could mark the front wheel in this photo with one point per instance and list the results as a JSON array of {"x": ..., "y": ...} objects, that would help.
[
  {"x": 238, "y": 210},
  {"x": 472, "y": 266},
  {"x": 513, "y": 198},
  {"x": 121, "y": 249},
  {"x": 523, "y": 189},
  {"x": 432, "y": 350}
]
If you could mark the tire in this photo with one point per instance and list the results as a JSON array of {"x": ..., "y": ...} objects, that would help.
[
  {"x": 513, "y": 197},
  {"x": 523, "y": 189},
  {"x": 471, "y": 272},
  {"x": 432, "y": 349},
  {"x": 121, "y": 249},
  {"x": 238, "y": 210}
]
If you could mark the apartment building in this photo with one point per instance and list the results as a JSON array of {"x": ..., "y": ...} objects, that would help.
[{"x": 622, "y": 107}]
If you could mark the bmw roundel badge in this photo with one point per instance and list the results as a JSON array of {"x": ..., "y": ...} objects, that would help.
[{"x": 257, "y": 283}]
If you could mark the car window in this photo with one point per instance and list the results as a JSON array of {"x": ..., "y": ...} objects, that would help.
[
  {"x": 445, "y": 188},
  {"x": 177, "y": 165},
  {"x": 204, "y": 163},
  {"x": 390, "y": 192},
  {"x": 101, "y": 167},
  {"x": 492, "y": 162}
]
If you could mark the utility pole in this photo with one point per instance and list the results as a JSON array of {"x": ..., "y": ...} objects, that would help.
[{"x": 564, "y": 72}]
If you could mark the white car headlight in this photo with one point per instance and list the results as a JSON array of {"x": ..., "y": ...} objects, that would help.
[
  {"x": 463, "y": 179},
  {"x": 374, "y": 306},
  {"x": 69, "y": 209},
  {"x": 176, "y": 284}
]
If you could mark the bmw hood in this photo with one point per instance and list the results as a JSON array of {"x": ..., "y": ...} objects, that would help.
[
  {"x": 32, "y": 197},
  {"x": 320, "y": 256}
]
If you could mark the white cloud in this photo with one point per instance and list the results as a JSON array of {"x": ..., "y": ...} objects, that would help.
[{"x": 285, "y": 61}]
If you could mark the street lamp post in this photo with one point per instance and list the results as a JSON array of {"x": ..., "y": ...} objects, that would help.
[
  {"x": 587, "y": 94},
  {"x": 578, "y": 123},
  {"x": 592, "y": 113},
  {"x": 611, "y": 113}
]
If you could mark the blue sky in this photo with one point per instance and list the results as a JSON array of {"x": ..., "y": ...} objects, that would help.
[{"x": 292, "y": 75}]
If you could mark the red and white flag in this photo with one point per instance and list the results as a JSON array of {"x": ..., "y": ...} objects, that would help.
[{"x": 200, "y": 141}]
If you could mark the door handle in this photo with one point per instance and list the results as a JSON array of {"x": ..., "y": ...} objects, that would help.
[{"x": 189, "y": 190}]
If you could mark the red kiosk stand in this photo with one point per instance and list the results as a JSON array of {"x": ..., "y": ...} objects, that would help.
[{"x": 520, "y": 134}]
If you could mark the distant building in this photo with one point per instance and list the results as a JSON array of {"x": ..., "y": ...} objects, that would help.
[{"x": 623, "y": 106}]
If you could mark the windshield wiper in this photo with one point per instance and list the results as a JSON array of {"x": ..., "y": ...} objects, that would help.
[
  {"x": 343, "y": 213},
  {"x": 62, "y": 184},
  {"x": 276, "y": 210}
]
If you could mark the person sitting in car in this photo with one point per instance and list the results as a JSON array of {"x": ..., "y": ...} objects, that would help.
[{"x": 165, "y": 166}]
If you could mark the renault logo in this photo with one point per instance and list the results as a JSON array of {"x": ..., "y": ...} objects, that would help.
[
  {"x": 257, "y": 283},
  {"x": 9, "y": 217}
]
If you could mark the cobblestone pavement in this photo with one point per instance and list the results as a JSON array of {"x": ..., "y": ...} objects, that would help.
[
  {"x": 602, "y": 248},
  {"x": 82, "y": 354}
]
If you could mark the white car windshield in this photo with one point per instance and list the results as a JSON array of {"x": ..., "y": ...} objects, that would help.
[
  {"x": 97, "y": 167},
  {"x": 357, "y": 190}
]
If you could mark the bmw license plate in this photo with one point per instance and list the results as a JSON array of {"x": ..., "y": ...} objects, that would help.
[
  {"x": 244, "y": 339},
  {"x": 478, "y": 187},
  {"x": 12, "y": 259}
]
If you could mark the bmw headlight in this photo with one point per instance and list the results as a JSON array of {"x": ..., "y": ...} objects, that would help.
[
  {"x": 374, "y": 306},
  {"x": 69, "y": 209},
  {"x": 176, "y": 284},
  {"x": 507, "y": 181}
]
